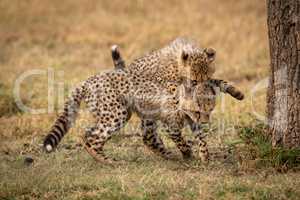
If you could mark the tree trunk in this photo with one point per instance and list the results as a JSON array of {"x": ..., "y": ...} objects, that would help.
[{"x": 283, "y": 98}]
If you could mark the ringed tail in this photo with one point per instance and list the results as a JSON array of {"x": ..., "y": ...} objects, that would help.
[
  {"x": 227, "y": 88},
  {"x": 234, "y": 92},
  {"x": 65, "y": 120}
]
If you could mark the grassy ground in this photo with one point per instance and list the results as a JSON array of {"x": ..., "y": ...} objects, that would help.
[{"x": 74, "y": 37}]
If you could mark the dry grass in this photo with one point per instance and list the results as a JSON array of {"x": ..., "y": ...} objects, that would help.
[{"x": 75, "y": 37}]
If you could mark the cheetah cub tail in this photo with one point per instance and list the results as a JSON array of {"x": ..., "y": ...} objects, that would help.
[
  {"x": 234, "y": 92},
  {"x": 65, "y": 120},
  {"x": 118, "y": 61},
  {"x": 227, "y": 88}
]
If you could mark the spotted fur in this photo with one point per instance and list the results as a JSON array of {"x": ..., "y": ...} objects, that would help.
[{"x": 145, "y": 87}]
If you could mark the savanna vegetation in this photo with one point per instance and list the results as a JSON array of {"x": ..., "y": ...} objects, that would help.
[{"x": 71, "y": 40}]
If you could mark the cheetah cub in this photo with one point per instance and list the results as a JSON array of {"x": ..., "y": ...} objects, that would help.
[{"x": 205, "y": 97}]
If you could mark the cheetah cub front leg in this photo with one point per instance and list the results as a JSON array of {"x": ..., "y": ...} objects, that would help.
[
  {"x": 200, "y": 142},
  {"x": 152, "y": 140}
]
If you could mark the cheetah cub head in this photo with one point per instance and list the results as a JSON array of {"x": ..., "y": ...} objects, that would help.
[
  {"x": 198, "y": 102},
  {"x": 196, "y": 64}
]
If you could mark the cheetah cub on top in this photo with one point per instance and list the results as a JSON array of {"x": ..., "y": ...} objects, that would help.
[{"x": 205, "y": 97}]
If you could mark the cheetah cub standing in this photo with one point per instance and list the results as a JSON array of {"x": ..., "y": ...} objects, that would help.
[{"x": 205, "y": 97}]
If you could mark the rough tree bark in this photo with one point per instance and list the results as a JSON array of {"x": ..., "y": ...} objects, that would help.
[{"x": 283, "y": 98}]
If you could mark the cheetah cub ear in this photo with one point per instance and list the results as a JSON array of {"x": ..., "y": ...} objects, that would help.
[{"x": 210, "y": 54}]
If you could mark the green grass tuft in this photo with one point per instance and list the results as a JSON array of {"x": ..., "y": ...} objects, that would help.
[{"x": 257, "y": 146}]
